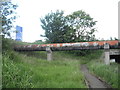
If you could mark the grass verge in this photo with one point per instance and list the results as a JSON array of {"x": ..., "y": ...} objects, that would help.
[
  {"x": 95, "y": 63},
  {"x": 108, "y": 73},
  {"x": 31, "y": 72}
]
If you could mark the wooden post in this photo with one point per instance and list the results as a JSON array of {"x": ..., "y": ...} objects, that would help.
[
  {"x": 49, "y": 53},
  {"x": 107, "y": 54}
]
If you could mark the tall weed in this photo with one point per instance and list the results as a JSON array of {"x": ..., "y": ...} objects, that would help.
[
  {"x": 15, "y": 75},
  {"x": 109, "y": 73}
]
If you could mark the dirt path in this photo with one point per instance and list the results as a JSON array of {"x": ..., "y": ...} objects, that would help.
[{"x": 92, "y": 81}]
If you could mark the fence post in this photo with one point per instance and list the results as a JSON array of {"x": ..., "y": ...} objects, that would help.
[
  {"x": 107, "y": 54},
  {"x": 49, "y": 53}
]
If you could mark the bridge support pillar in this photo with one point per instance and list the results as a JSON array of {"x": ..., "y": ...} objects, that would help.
[
  {"x": 49, "y": 53},
  {"x": 107, "y": 54}
]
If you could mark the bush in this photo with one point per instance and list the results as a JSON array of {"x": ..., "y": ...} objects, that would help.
[
  {"x": 15, "y": 75},
  {"x": 7, "y": 44},
  {"x": 109, "y": 73}
]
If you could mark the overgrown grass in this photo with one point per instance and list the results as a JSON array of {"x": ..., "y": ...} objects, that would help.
[
  {"x": 32, "y": 72},
  {"x": 91, "y": 56},
  {"x": 28, "y": 43},
  {"x": 58, "y": 74},
  {"x": 0, "y": 70},
  {"x": 94, "y": 60},
  {"x": 108, "y": 73},
  {"x": 95, "y": 63},
  {"x": 15, "y": 74}
]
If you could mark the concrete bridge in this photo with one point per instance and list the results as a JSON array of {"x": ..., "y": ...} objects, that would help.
[{"x": 111, "y": 48}]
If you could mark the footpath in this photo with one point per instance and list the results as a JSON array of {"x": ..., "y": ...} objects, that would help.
[{"x": 92, "y": 81}]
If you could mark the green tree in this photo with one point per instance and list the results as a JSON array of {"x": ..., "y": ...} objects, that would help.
[
  {"x": 55, "y": 27},
  {"x": 7, "y": 10},
  {"x": 76, "y": 27},
  {"x": 82, "y": 25}
]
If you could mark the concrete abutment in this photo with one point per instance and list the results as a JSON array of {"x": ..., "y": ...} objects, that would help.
[
  {"x": 49, "y": 53},
  {"x": 111, "y": 54}
]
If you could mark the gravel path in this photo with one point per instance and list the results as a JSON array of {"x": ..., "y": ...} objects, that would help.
[{"x": 92, "y": 81}]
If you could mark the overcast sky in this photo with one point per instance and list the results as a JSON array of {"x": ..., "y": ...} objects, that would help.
[{"x": 103, "y": 11}]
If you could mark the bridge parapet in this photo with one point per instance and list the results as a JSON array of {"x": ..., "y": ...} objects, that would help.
[
  {"x": 69, "y": 46},
  {"x": 114, "y": 51},
  {"x": 106, "y": 45}
]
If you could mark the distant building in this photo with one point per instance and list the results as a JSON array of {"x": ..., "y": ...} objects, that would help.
[{"x": 19, "y": 33}]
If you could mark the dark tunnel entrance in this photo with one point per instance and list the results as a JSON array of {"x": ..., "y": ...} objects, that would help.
[{"x": 116, "y": 57}]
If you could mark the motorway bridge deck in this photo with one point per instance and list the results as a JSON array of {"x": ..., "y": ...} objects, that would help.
[
  {"x": 69, "y": 46},
  {"x": 111, "y": 48}
]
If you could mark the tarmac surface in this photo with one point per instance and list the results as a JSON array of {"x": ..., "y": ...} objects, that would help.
[{"x": 92, "y": 81}]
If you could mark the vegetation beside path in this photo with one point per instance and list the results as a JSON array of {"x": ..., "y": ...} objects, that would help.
[
  {"x": 105, "y": 72},
  {"x": 108, "y": 73},
  {"x": 31, "y": 70}
]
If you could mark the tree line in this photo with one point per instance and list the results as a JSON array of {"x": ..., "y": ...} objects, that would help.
[
  {"x": 7, "y": 17},
  {"x": 76, "y": 27}
]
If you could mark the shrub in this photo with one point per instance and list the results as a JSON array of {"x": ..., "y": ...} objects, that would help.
[{"x": 15, "y": 75}]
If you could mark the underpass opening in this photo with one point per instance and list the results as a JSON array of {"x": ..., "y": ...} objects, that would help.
[{"x": 116, "y": 57}]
